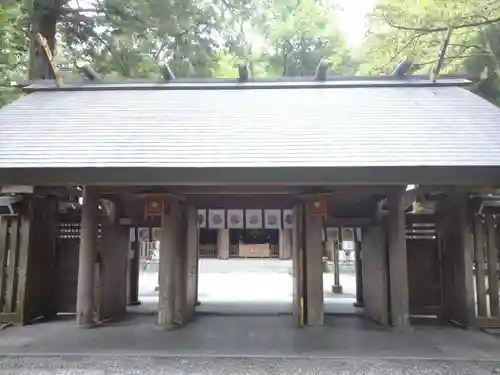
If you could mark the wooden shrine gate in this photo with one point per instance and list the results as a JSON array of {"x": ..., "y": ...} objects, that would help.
[
  {"x": 12, "y": 269},
  {"x": 112, "y": 244},
  {"x": 68, "y": 243},
  {"x": 27, "y": 262},
  {"x": 424, "y": 266},
  {"x": 486, "y": 236}
]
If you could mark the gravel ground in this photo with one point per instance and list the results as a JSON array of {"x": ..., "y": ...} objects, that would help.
[{"x": 94, "y": 365}]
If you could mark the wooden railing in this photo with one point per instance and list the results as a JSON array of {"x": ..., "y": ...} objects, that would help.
[{"x": 486, "y": 234}]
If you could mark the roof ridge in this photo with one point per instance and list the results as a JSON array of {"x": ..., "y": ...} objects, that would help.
[{"x": 229, "y": 84}]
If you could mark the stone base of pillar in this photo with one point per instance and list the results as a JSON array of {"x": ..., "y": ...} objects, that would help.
[
  {"x": 223, "y": 244},
  {"x": 337, "y": 289},
  {"x": 87, "y": 326}
]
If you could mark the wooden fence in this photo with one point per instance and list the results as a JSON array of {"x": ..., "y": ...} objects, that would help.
[
  {"x": 11, "y": 262},
  {"x": 486, "y": 236}
]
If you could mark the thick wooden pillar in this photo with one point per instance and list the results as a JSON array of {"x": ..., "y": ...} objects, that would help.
[
  {"x": 181, "y": 271},
  {"x": 133, "y": 271},
  {"x": 375, "y": 274},
  {"x": 223, "y": 244},
  {"x": 112, "y": 279},
  {"x": 285, "y": 243},
  {"x": 298, "y": 263},
  {"x": 358, "y": 264},
  {"x": 314, "y": 267},
  {"x": 40, "y": 273},
  {"x": 192, "y": 261},
  {"x": 455, "y": 232},
  {"x": 398, "y": 265},
  {"x": 171, "y": 226},
  {"x": 87, "y": 258},
  {"x": 333, "y": 246}
]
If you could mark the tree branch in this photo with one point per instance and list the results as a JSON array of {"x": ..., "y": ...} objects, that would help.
[
  {"x": 413, "y": 39},
  {"x": 229, "y": 6},
  {"x": 429, "y": 30},
  {"x": 459, "y": 56}
]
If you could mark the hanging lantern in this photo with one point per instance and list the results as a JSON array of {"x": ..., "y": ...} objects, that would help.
[
  {"x": 317, "y": 206},
  {"x": 154, "y": 206}
]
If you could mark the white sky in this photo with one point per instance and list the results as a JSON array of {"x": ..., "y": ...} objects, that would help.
[{"x": 351, "y": 20}]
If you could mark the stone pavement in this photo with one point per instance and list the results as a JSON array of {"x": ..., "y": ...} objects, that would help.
[
  {"x": 245, "y": 345},
  {"x": 77, "y": 365},
  {"x": 250, "y": 336},
  {"x": 266, "y": 343},
  {"x": 253, "y": 286}
]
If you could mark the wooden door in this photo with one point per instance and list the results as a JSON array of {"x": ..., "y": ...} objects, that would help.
[
  {"x": 424, "y": 277},
  {"x": 67, "y": 248}
]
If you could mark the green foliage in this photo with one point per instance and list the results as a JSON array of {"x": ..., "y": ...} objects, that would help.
[
  {"x": 130, "y": 38},
  {"x": 301, "y": 33},
  {"x": 13, "y": 48},
  {"x": 127, "y": 39},
  {"x": 416, "y": 29}
]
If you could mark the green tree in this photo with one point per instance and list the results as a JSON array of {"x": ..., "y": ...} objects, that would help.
[
  {"x": 298, "y": 34},
  {"x": 14, "y": 27},
  {"x": 130, "y": 38},
  {"x": 416, "y": 29}
]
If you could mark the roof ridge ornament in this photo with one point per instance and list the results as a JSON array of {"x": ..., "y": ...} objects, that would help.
[
  {"x": 322, "y": 70},
  {"x": 87, "y": 70},
  {"x": 403, "y": 69},
  {"x": 166, "y": 72},
  {"x": 436, "y": 69},
  {"x": 243, "y": 72}
]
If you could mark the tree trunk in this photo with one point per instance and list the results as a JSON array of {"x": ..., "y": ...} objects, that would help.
[{"x": 45, "y": 16}]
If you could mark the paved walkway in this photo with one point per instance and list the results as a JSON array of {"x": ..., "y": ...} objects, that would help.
[
  {"x": 253, "y": 286},
  {"x": 238, "y": 366},
  {"x": 244, "y": 344},
  {"x": 250, "y": 336}
]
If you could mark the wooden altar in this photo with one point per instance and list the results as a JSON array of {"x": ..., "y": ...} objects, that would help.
[{"x": 254, "y": 250}]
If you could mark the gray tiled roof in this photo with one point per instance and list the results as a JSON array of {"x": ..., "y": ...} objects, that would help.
[{"x": 389, "y": 126}]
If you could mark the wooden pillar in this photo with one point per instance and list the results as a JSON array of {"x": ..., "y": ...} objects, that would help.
[
  {"x": 113, "y": 250},
  {"x": 133, "y": 271},
  {"x": 181, "y": 273},
  {"x": 492, "y": 266},
  {"x": 334, "y": 248},
  {"x": 192, "y": 262},
  {"x": 87, "y": 255},
  {"x": 358, "y": 264},
  {"x": 398, "y": 267},
  {"x": 171, "y": 225},
  {"x": 314, "y": 267},
  {"x": 298, "y": 266},
  {"x": 457, "y": 260},
  {"x": 223, "y": 244},
  {"x": 479, "y": 258},
  {"x": 285, "y": 243},
  {"x": 375, "y": 274}
]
